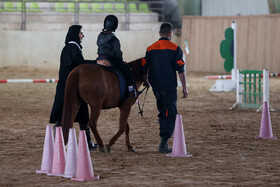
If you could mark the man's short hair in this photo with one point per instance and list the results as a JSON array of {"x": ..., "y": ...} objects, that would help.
[{"x": 166, "y": 28}]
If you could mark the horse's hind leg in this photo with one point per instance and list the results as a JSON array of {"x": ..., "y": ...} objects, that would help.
[{"x": 95, "y": 112}]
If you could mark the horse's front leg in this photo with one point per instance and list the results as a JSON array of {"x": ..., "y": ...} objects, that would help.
[
  {"x": 128, "y": 144},
  {"x": 124, "y": 113}
]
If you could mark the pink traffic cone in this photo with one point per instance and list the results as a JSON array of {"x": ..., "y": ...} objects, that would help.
[
  {"x": 179, "y": 145},
  {"x": 47, "y": 159},
  {"x": 71, "y": 156},
  {"x": 266, "y": 128},
  {"x": 58, "y": 165},
  {"x": 84, "y": 166}
]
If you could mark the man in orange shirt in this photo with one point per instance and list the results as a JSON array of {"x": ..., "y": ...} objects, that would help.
[{"x": 163, "y": 59}]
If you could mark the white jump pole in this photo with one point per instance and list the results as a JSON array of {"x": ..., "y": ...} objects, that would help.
[
  {"x": 28, "y": 80},
  {"x": 238, "y": 90},
  {"x": 233, "y": 71},
  {"x": 266, "y": 90},
  {"x": 266, "y": 86}
]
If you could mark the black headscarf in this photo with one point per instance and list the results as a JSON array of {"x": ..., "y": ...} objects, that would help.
[{"x": 73, "y": 35}]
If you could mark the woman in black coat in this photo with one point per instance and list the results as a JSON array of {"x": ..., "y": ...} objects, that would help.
[{"x": 71, "y": 57}]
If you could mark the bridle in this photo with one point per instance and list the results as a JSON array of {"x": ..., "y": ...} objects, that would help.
[{"x": 139, "y": 93}]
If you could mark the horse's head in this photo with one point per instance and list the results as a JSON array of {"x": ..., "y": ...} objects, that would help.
[{"x": 136, "y": 69}]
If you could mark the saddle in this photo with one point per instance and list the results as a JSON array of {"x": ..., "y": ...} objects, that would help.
[{"x": 119, "y": 74}]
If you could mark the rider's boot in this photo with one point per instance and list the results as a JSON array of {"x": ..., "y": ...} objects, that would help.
[{"x": 132, "y": 92}]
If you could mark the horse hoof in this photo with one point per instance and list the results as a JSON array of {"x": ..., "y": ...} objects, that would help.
[
  {"x": 132, "y": 150},
  {"x": 101, "y": 150},
  {"x": 108, "y": 148}
]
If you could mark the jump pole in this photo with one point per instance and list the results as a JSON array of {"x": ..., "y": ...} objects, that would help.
[
  {"x": 185, "y": 54},
  {"x": 28, "y": 80},
  {"x": 266, "y": 91},
  {"x": 229, "y": 76},
  {"x": 233, "y": 71}
]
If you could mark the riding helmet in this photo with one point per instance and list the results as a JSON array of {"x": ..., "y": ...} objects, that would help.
[{"x": 110, "y": 23}]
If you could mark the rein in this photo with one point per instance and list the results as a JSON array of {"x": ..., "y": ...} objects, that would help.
[{"x": 139, "y": 93}]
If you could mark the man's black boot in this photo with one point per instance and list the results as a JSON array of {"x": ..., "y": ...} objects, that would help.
[{"x": 163, "y": 146}]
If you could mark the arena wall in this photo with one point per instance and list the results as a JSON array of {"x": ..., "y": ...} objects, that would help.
[
  {"x": 233, "y": 8},
  {"x": 41, "y": 49},
  {"x": 258, "y": 42}
]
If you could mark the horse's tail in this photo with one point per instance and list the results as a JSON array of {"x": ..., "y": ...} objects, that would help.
[{"x": 71, "y": 103}]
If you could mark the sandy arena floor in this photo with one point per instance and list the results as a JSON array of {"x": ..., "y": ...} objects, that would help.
[{"x": 222, "y": 142}]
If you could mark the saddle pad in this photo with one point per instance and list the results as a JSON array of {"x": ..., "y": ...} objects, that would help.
[{"x": 121, "y": 78}]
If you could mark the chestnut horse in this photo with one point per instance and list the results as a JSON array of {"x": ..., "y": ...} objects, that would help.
[{"x": 100, "y": 89}]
